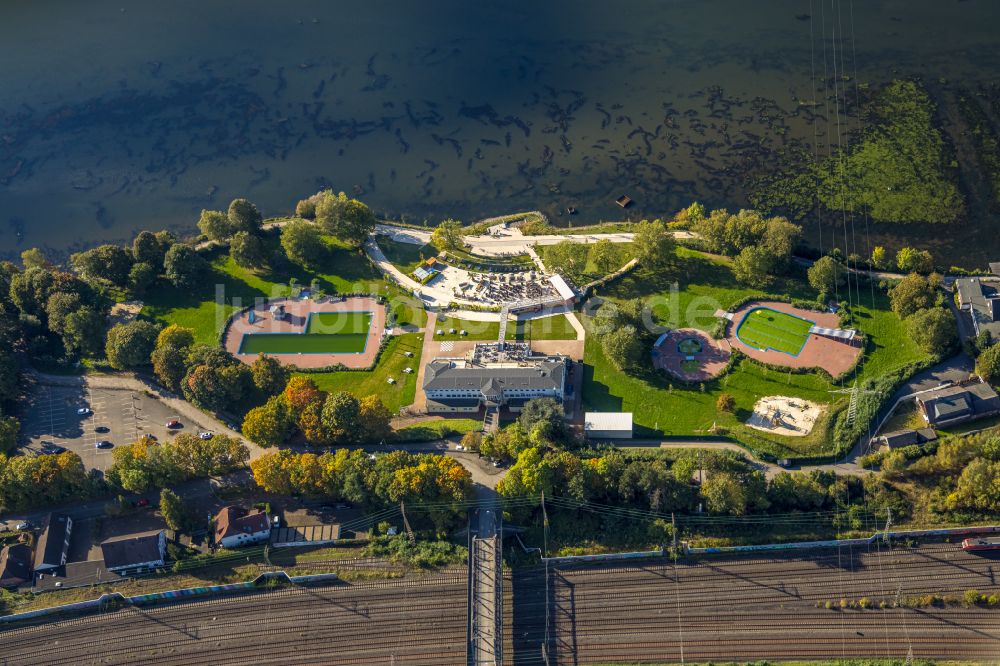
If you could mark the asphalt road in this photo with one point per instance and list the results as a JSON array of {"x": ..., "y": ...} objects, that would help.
[
  {"x": 738, "y": 609},
  {"x": 417, "y": 621}
]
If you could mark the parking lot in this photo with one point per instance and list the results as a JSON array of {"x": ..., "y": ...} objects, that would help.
[{"x": 51, "y": 416}]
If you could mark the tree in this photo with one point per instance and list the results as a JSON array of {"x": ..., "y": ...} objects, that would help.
[
  {"x": 911, "y": 260},
  {"x": 567, "y": 257},
  {"x": 348, "y": 219},
  {"x": 184, "y": 267},
  {"x": 724, "y": 494},
  {"x": 177, "y": 336},
  {"x": 215, "y": 224},
  {"x": 374, "y": 418},
  {"x": 912, "y": 293},
  {"x": 604, "y": 256},
  {"x": 306, "y": 208},
  {"x": 9, "y": 429},
  {"x": 300, "y": 392},
  {"x": 270, "y": 424},
  {"x": 622, "y": 347},
  {"x": 934, "y": 330},
  {"x": 141, "y": 277},
  {"x": 82, "y": 331},
  {"x": 340, "y": 414},
  {"x": 269, "y": 376},
  {"x": 105, "y": 262},
  {"x": 58, "y": 307},
  {"x": 725, "y": 403},
  {"x": 34, "y": 258},
  {"x": 879, "y": 257},
  {"x": 826, "y": 275},
  {"x": 130, "y": 345},
  {"x": 988, "y": 365},
  {"x": 544, "y": 415},
  {"x": 448, "y": 235},
  {"x": 216, "y": 388},
  {"x": 753, "y": 265},
  {"x": 169, "y": 365},
  {"x": 779, "y": 239},
  {"x": 244, "y": 216},
  {"x": 175, "y": 512},
  {"x": 248, "y": 250},
  {"x": 30, "y": 289},
  {"x": 303, "y": 243},
  {"x": 654, "y": 245},
  {"x": 147, "y": 249}
]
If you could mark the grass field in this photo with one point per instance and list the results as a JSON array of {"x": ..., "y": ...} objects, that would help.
[
  {"x": 764, "y": 328},
  {"x": 392, "y": 363},
  {"x": 546, "y": 328},
  {"x": 326, "y": 333},
  {"x": 707, "y": 284},
  {"x": 228, "y": 286},
  {"x": 426, "y": 431},
  {"x": 405, "y": 256}
]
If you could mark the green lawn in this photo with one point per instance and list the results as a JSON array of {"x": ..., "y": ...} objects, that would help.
[
  {"x": 585, "y": 270},
  {"x": 476, "y": 330},
  {"x": 391, "y": 364},
  {"x": 405, "y": 256},
  {"x": 426, "y": 431},
  {"x": 764, "y": 328},
  {"x": 706, "y": 285},
  {"x": 546, "y": 328},
  {"x": 229, "y": 286}
]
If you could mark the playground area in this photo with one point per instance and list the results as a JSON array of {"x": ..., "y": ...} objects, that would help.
[
  {"x": 781, "y": 415},
  {"x": 783, "y": 335},
  {"x": 309, "y": 333},
  {"x": 690, "y": 355}
]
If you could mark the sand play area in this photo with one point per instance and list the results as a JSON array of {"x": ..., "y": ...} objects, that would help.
[{"x": 781, "y": 415}]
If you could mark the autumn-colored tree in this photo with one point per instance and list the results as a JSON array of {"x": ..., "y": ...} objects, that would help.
[
  {"x": 269, "y": 376},
  {"x": 270, "y": 424},
  {"x": 374, "y": 418},
  {"x": 299, "y": 392}
]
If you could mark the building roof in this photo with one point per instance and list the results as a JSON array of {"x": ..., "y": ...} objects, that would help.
[
  {"x": 954, "y": 402},
  {"x": 132, "y": 550},
  {"x": 981, "y": 295},
  {"x": 995, "y": 267},
  {"x": 901, "y": 438},
  {"x": 233, "y": 520},
  {"x": 616, "y": 421},
  {"x": 52, "y": 543},
  {"x": 442, "y": 374},
  {"x": 562, "y": 287},
  {"x": 15, "y": 564}
]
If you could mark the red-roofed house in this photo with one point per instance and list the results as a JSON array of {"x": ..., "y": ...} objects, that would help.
[{"x": 235, "y": 527}]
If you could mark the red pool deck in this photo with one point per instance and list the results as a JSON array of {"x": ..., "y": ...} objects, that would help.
[
  {"x": 298, "y": 311},
  {"x": 711, "y": 360},
  {"x": 819, "y": 351}
]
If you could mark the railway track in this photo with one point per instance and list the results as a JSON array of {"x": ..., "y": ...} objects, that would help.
[{"x": 713, "y": 608}]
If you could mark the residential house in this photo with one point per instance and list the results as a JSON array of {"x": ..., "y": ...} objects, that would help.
[
  {"x": 235, "y": 527},
  {"x": 980, "y": 297},
  {"x": 959, "y": 403},
  {"x": 900, "y": 438}
]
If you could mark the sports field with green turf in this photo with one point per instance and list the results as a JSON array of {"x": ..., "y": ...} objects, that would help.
[
  {"x": 764, "y": 328},
  {"x": 326, "y": 333}
]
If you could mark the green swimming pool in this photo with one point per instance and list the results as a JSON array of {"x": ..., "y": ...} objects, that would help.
[{"x": 324, "y": 333}]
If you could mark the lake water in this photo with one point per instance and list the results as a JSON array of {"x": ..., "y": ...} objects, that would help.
[{"x": 119, "y": 116}]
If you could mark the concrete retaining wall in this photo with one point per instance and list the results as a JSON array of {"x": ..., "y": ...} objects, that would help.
[{"x": 171, "y": 595}]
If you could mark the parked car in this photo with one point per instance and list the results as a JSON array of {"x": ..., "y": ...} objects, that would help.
[
  {"x": 173, "y": 423},
  {"x": 142, "y": 502},
  {"x": 785, "y": 462},
  {"x": 208, "y": 434},
  {"x": 233, "y": 426},
  {"x": 50, "y": 448},
  {"x": 104, "y": 444},
  {"x": 23, "y": 526},
  {"x": 102, "y": 429},
  {"x": 84, "y": 411}
]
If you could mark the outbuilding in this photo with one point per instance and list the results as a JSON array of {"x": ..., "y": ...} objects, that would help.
[
  {"x": 142, "y": 551},
  {"x": 235, "y": 527},
  {"x": 608, "y": 425},
  {"x": 53, "y": 544}
]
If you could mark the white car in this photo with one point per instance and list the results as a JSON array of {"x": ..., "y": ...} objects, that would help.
[
  {"x": 208, "y": 434},
  {"x": 83, "y": 411},
  {"x": 459, "y": 447}
]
